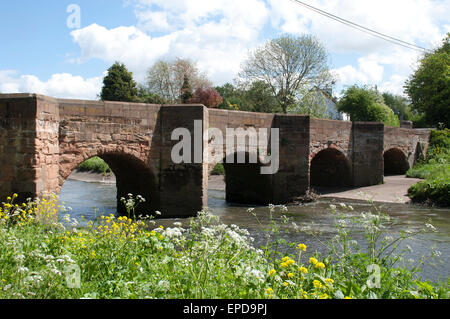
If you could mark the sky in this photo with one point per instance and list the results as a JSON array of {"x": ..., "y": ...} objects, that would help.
[{"x": 63, "y": 48}]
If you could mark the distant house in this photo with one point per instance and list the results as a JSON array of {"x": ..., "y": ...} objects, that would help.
[{"x": 326, "y": 97}]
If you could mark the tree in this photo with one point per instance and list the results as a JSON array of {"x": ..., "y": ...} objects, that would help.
[
  {"x": 259, "y": 98},
  {"x": 186, "y": 90},
  {"x": 118, "y": 85},
  {"x": 209, "y": 97},
  {"x": 366, "y": 104},
  {"x": 312, "y": 102},
  {"x": 232, "y": 97},
  {"x": 287, "y": 64},
  {"x": 399, "y": 105},
  {"x": 145, "y": 96},
  {"x": 166, "y": 78},
  {"x": 429, "y": 86}
]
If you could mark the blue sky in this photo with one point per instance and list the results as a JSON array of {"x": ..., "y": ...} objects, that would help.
[{"x": 41, "y": 54}]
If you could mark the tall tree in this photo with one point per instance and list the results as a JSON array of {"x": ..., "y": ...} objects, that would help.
[
  {"x": 166, "y": 78},
  {"x": 118, "y": 85},
  {"x": 287, "y": 64},
  {"x": 186, "y": 90},
  {"x": 429, "y": 86}
]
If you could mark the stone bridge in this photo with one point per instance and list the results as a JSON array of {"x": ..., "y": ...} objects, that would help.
[{"x": 43, "y": 140}]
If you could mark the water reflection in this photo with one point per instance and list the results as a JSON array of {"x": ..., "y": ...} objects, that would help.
[{"x": 82, "y": 197}]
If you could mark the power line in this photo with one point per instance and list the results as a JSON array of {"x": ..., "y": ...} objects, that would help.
[{"x": 363, "y": 29}]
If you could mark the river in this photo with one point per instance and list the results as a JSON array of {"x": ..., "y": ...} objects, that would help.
[{"x": 93, "y": 199}]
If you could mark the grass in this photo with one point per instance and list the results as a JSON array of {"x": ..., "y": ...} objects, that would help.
[
  {"x": 124, "y": 258},
  {"x": 94, "y": 164},
  {"x": 435, "y": 170},
  {"x": 219, "y": 169}
]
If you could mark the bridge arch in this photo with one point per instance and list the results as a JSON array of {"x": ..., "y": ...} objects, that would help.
[
  {"x": 133, "y": 176},
  {"x": 330, "y": 167},
  {"x": 395, "y": 162},
  {"x": 244, "y": 182}
]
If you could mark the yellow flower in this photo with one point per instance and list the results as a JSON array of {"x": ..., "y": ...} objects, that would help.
[
  {"x": 303, "y": 270},
  {"x": 301, "y": 247},
  {"x": 347, "y": 297},
  {"x": 329, "y": 281},
  {"x": 272, "y": 272},
  {"x": 313, "y": 260},
  {"x": 320, "y": 265},
  {"x": 283, "y": 265},
  {"x": 317, "y": 284},
  {"x": 290, "y": 262},
  {"x": 285, "y": 284},
  {"x": 269, "y": 291},
  {"x": 290, "y": 275},
  {"x": 285, "y": 259}
]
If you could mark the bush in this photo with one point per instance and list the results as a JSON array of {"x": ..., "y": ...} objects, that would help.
[
  {"x": 435, "y": 170},
  {"x": 367, "y": 105},
  {"x": 96, "y": 165},
  {"x": 219, "y": 169}
]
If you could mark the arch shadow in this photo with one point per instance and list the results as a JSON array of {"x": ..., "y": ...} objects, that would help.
[
  {"x": 395, "y": 162},
  {"x": 330, "y": 168},
  {"x": 133, "y": 176},
  {"x": 244, "y": 182}
]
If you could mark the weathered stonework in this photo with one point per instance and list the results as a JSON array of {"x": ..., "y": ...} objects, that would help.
[{"x": 43, "y": 140}]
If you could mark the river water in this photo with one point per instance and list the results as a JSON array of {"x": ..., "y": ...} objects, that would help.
[{"x": 93, "y": 199}]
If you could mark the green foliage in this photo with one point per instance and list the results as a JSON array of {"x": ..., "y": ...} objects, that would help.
[
  {"x": 259, "y": 98},
  {"x": 429, "y": 86},
  {"x": 286, "y": 64},
  {"x": 219, "y": 169},
  {"x": 311, "y": 102},
  {"x": 118, "y": 85},
  {"x": 230, "y": 96},
  {"x": 94, "y": 164},
  {"x": 186, "y": 90},
  {"x": 145, "y": 96},
  {"x": 435, "y": 170},
  {"x": 366, "y": 104},
  {"x": 399, "y": 105},
  {"x": 123, "y": 258}
]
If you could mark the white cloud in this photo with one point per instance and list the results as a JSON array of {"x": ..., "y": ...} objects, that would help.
[
  {"x": 216, "y": 34},
  {"x": 61, "y": 85}
]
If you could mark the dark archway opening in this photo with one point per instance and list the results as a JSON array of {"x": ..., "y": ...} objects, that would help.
[
  {"x": 330, "y": 168},
  {"x": 132, "y": 176},
  {"x": 244, "y": 182},
  {"x": 395, "y": 162}
]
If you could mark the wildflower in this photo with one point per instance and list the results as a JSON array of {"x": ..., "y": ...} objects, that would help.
[
  {"x": 285, "y": 284},
  {"x": 320, "y": 265},
  {"x": 301, "y": 247},
  {"x": 283, "y": 265},
  {"x": 269, "y": 291},
  {"x": 272, "y": 272},
  {"x": 347, "y": 297},
  {"x": 317, "y": 284},
  {"x": 329, "y": 281},
  {"x": 303, "y": 270},
  {"x": 313, "y": 260},
  {"x": 290, "y": 275}
]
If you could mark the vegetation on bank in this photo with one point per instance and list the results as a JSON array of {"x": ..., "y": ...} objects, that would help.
[
  {"x": 124, "y": 258},
  {"x": 435, "y": 170},
  {"x": 94, "y": 164}
]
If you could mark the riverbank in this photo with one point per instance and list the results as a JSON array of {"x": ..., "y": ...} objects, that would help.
[{"x": 394, "y": 189}]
